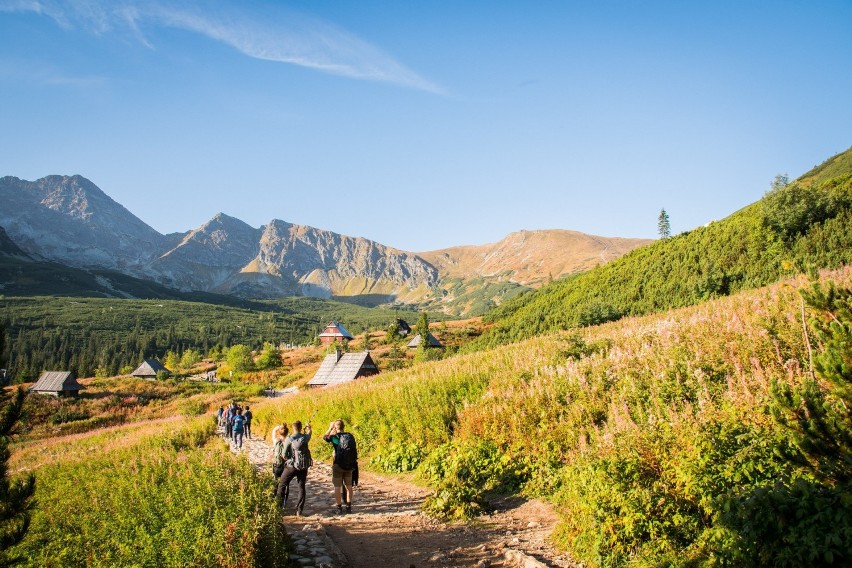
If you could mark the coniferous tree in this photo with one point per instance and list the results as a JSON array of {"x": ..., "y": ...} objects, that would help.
[
  {"x": 423, "y": 325},
  {"x": 820, "y": 412},
  {"x": 15, "y": 496},
  {"x": 663, "y": 225},
  {"x": 780, "y": 181},
  {"x": 392, "y": 333}
]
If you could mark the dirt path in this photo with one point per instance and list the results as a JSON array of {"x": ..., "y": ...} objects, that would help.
[{"x": 387, "y": 530}]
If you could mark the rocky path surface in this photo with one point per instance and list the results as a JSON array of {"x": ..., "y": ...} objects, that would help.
[{"x": 386, "y": 528}]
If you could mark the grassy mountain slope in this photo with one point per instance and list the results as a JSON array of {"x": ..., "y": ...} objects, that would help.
[
  {"x": 650, "y": 434},
  {"x": 806, "y": 224},
  {"x": 530, "y": 257}
]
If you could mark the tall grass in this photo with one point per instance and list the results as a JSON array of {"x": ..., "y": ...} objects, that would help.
[
  {"x": 173, "y": 498},
  {"x": 640, "y": 431}
]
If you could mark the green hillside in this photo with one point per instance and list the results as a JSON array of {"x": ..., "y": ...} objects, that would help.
[
  {"x": 676, "y": 439},
  {"x": 85, "y": 334},
  {"x": 807, "y": 224}
]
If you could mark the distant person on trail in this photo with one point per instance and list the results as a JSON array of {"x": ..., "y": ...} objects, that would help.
[
  {"x": 229, "y": 421},
  {"x": 219, "y": 414},
  {"x": 239, "y": 429},
  {"x": 247, "y": 415},
  {"x": 345, "y": 462},
  {"x": 297, "y": 457}
]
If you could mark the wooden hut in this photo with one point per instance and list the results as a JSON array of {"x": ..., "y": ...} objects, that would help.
[
  {"x": 342, "y": 367},
  {"x": 57, "y": 383},
  {"x": 432, "y": 342},
  {"x": 334, "y": 331},
  {"x": 402, "y": 328},
  {"x": 148, "y": 369}
]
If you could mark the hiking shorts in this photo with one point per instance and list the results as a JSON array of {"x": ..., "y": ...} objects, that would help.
[{"x": 340, "y": 476}]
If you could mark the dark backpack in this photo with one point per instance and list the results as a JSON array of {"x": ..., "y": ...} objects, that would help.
[
  {"x": 300, "y": 454},
  {"x": 278, "y": 461},
  {"x": 346, "y": 455}
]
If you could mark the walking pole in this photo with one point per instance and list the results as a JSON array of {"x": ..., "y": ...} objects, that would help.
[{"x": 308, "y": 423}]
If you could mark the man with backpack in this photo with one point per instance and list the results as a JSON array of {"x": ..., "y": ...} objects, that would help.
[
  {"x": 345, "y": 462},
  {"x": 247, "y": 415},
  {"x": 297, "y": 457}
]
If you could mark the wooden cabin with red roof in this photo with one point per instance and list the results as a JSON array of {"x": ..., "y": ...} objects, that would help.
[{"x": 334, "y": 331}]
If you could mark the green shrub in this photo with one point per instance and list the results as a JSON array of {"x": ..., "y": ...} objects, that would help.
[
  {"x": 463, "y": 472},
  {"x": 65, "y": 415}
]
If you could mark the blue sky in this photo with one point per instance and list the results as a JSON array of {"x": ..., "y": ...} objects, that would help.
[{"x": 429, "y": 124}]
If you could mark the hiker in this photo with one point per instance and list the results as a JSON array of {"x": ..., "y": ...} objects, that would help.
[
  {"x": 247, "y": 415},
  {"x": 229, "y": 422},
  {"x": 239, "y": 424},
  {"x": 219, "y": 414},
  {"x": 345, "y": 462},
  {"x": 298, "y": 460},
  {"x": 279, "y": 434}
]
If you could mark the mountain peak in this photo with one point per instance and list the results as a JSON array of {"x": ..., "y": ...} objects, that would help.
[
  {"x": 70, "y": 219},
  {"x": 223, "y": 220}
]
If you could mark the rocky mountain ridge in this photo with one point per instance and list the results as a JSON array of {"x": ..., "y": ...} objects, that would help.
[{"x": 68, "y": 219}]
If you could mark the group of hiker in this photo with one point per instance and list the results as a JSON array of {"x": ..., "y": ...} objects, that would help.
[
  {"x": 292, "y": 458},
  {"x": 236, "y": 422}
]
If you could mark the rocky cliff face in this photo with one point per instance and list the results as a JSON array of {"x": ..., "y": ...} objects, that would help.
[
  {"x": 325, "y": 263},
  {"x": 206, "y": 257},
  {"x": 282, "y": 259},
  {"x": 70, "y": 220}
]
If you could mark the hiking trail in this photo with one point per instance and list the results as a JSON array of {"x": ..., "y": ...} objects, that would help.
[{"x": 387, "y": 529}]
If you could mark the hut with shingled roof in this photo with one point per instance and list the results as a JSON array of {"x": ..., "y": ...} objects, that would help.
[
  {"x": 57, "y": 383},
  {"x": 334, "y": 331},
  {"x": 432, "y": 342},
  {"x": 339, "y": 367},
  {"x": 148, "y": 369}
]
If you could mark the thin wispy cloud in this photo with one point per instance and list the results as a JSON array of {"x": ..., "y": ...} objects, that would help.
[
  {"x": 276, "y": 34},
  {"x": 46, "y": 75}
]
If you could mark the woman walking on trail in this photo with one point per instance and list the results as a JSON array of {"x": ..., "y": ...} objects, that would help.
[
  {"x": 229, "y": 421},
  {"x": 279, "y": 434},
  {"x": 298, "y": 460},
  {"x": 239, "y": 428},
  {"x": 345, "y": 462}
]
